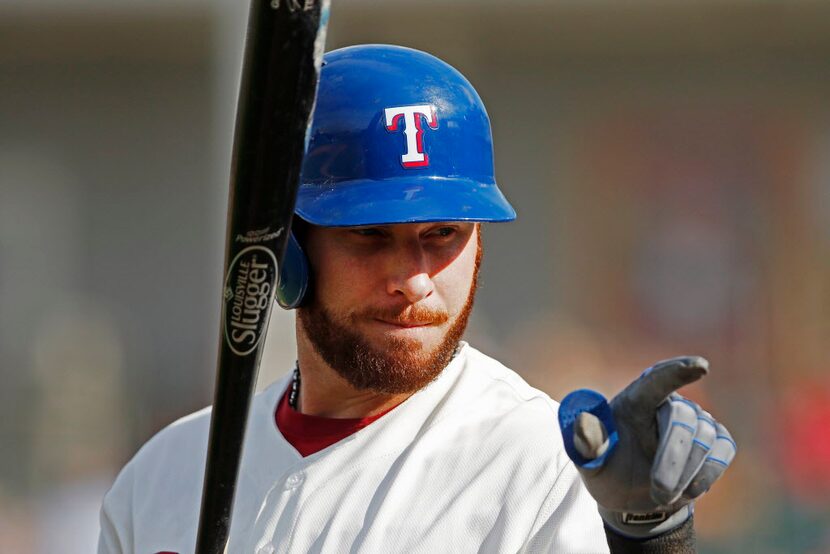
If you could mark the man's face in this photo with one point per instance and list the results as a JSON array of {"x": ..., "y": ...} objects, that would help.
[{"x": 390, "y": 302}]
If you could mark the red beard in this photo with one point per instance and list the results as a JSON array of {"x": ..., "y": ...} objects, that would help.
[{"x": 398, "y": 367}]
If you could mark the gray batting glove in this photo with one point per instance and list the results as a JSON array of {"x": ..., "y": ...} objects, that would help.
[{"x": 646, "y": 456}]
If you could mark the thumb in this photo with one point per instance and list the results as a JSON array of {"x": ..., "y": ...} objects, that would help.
[{"x": 590, "y": 436}]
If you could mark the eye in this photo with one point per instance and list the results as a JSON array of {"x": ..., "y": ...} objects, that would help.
[
  {"x": 445, "y": 231},
  {"x": 367, "y": 232}
]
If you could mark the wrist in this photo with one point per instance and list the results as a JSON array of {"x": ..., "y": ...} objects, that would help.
[
  {"x": 641, "y": 525},
  {"x": 680, "y": 540}
]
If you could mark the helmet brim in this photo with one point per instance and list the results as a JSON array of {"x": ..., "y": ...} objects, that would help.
[{"x": 418, "y": 200}]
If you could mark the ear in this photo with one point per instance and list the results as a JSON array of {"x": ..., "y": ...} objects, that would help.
[{"x": 294, "y": 276}]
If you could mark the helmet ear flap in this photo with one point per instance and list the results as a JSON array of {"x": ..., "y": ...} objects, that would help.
[{"x": 293, "y": 278}]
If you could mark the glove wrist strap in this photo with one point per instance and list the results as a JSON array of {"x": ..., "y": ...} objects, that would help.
[{"x": 645, "y": 525}]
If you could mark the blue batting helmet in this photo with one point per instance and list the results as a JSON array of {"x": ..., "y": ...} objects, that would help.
[{"x": 397, "y": 136}]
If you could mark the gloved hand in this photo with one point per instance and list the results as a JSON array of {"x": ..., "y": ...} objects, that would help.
[{"x": 646, "y": 456}]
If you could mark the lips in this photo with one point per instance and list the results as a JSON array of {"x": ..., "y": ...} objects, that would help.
[
  {"x": 408, "y": 317},
  {"x": 406, "y": 324}
]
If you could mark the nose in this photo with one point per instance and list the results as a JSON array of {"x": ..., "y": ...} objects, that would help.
[
  {"x": 409, "y": 275},
  {"x": 414, "y": 288}
]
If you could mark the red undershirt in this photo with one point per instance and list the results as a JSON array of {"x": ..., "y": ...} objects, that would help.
[{"x": 310, "y": 434}]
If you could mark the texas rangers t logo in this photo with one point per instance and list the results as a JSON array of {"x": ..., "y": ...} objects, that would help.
[{"x": 412, "y": 115}]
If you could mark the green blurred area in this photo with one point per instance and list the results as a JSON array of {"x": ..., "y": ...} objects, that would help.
[{"x": 671, "y": 169}]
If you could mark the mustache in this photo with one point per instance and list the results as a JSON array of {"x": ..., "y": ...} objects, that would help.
[{"x": 420, "y": 315}]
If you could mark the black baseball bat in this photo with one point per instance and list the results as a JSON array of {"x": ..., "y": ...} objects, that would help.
[{"x": 283, "y": 53}]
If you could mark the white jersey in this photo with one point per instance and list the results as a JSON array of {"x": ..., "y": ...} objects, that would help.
[{"x": 474, "y": 462}]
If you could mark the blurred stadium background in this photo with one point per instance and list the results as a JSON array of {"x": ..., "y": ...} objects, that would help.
[{"x": 670, "y": 163}]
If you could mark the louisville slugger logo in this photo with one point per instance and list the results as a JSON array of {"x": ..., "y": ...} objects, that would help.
[
  {"x": 412, "y": 117},
  {"x": 249, "y": 294}
]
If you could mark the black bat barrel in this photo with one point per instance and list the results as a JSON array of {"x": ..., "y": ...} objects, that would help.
[{"x": 279, "y": 81}]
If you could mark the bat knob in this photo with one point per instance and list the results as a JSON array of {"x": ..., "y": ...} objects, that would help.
[{"x": 588, "y": 428}]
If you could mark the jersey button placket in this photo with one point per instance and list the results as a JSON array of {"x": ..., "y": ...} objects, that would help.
[
  {"x": 273, "y": 526},
  {"x": 293, "y": 481}
]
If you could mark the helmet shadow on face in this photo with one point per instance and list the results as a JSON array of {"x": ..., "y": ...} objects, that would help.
[{"x": 405, "y": 253}]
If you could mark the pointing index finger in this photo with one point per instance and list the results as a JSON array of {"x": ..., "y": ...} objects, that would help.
[{"x": 665, "y": 377}]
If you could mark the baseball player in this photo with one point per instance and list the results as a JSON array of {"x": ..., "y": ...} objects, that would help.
[{"x": 391, "y": 434}]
